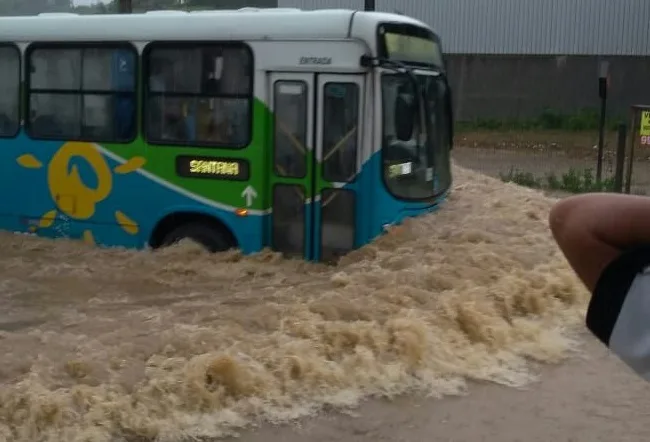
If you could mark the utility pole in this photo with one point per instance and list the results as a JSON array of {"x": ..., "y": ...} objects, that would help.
[
  {"x": 603, "y": 86},
  {"x": 125, "y": 7},
  {"x": 369, "y": 5}
]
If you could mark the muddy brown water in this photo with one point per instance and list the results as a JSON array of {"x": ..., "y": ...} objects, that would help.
[{"x": 109, "y": 345}]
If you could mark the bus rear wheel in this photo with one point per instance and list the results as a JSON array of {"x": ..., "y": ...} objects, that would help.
[{"x": 211, "y": 238}]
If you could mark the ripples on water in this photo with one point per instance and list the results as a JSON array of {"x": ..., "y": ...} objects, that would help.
[{"x": 104, "y": 345}]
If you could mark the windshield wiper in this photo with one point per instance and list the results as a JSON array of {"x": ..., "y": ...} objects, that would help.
[
  {"x": 396, "y": 66},
  {"x": 419, "y": 95}
]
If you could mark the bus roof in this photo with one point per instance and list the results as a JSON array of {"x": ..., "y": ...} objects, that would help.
[{"x": 241, "y": 24}]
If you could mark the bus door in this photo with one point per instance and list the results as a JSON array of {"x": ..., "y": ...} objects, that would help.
[
  {"x": 338, "y": 150},
  {"x": 315, "y": 157}
]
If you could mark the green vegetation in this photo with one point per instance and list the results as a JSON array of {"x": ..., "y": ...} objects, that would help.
[
  {"x": 574, "y": 181},
  {"x": 32, "y": 7},
  {"x": 586, "y": 119}
]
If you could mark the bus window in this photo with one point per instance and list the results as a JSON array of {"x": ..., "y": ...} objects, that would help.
[
  {"x": 288, "y": 219},
  {"x": 290, "y": 146},
  {"x": 9, "y": 91},
  {"x": 198, "y": 95},
  {"x": 341, "y": 116},
  {"x": 407, "y": 154},
  {"x": 82, "y": 93},
  {"x": 436, "y": 94}
]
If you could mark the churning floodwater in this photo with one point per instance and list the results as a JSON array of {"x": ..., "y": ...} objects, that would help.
[{"x": 114, "y": 345}]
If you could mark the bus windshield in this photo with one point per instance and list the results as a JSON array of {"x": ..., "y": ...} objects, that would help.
[
  {"x": 416, "y": 160},
  {"x": 410, "y": 45},
  {"x": 416, "y": 122}
]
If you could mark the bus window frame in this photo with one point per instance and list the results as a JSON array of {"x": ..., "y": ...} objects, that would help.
[
  {"x": 81, "y": 45},
  {"x": 415, "y": 31},
  {"x": 189, "y": 44},
  {"x": 21, "y": 93}
]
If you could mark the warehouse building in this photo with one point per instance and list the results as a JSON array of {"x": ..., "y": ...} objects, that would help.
[{"x": 514, "y": 58}]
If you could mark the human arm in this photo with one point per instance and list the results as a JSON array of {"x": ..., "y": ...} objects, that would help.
[
  {"x": 606, "y": 239},
  {"x": 594, "y": 229}
]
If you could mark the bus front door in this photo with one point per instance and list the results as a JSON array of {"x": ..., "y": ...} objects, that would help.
[{"x": 316, "y": 142}]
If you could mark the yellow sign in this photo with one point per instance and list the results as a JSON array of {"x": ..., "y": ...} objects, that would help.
[
  {"x": 214, "y": 167},
  {"x": 395, "y": 170},
  {"x": 210, "y": 167},
  {"x": 644, "y": 131}
]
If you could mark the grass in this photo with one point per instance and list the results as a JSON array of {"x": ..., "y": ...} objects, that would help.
[
  {"x": 574, "y": 181},
  {"x": 583, "y": 120}
]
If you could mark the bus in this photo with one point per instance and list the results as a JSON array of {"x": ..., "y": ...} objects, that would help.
[{"x": 306, "y": 132}]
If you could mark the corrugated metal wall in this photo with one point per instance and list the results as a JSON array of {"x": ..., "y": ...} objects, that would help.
[{"x": 553, "y": 27}]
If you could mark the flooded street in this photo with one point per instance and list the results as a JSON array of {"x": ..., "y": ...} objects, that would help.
[
  {"x": 593, "y": 397},
  {"x": 115, "y": 345}
]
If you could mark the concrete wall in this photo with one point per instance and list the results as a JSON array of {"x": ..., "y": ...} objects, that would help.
[{"x": 508, "y": 86}]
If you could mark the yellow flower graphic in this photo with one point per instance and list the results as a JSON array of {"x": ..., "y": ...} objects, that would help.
[{"x": 71, "y": 196}]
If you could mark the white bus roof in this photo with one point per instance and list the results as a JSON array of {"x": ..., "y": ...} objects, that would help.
[{"x": 243, "y": 24}]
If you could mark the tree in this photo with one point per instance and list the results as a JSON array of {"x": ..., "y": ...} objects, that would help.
[
  {"x": 33, "y": 7},
  {"x": 151, "y": 5},
  {"x": 230, "y": 4},
  {"x": 96, "y": 8},
  {"x": 125, "y": 6}
]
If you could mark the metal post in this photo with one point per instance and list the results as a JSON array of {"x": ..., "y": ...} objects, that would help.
[
  {"x": 601, "y": 141},
  {"x": 125, "y": 7},
  {"x": 369, "y": 5},
  {"x": 634, "y": 129},
  {"x": 620, "y": 158},
  {"x": 603, "y": 85}
]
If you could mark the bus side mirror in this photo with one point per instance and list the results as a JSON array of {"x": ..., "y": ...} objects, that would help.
[{"x": 404, "y": 119}]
